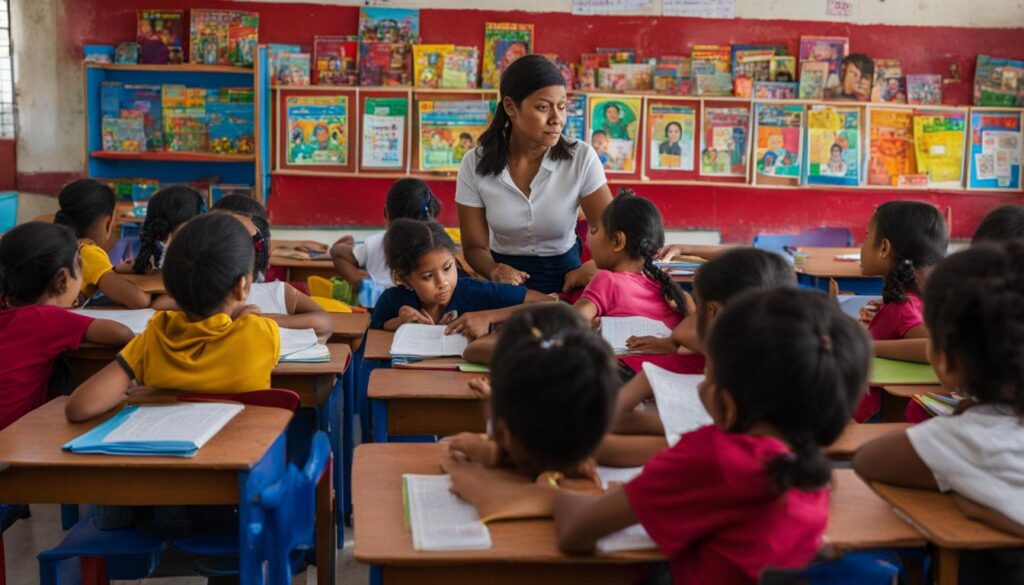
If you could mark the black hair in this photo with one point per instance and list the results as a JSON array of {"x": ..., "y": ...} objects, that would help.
[
  {"x": 862, "y": 63},
  {"x": 553, "y": 383},
  {"x": 640, "y": 222},
  {"x": 82, "y": 203},
  {"x": 974, "y": 310},
  {"x": 407, "y": 240},
  {"x": 917, "y": 232},
  {"x": 411, "y": 198},
  {"x": 792, "y": 359},
  {"x": 738, "y": 271},
  {"x": 169, "y": 208},
  {"x": 204, "y": 261},
  {"x": 520, "y": 79},
  {"x": 671, "y": 124},
  {"x": 1000, "y": 225},
  {"x": 257, "y": 214},
  {"x": 596, "y": 132}
]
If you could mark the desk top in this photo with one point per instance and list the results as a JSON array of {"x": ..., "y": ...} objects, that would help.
[
  {"x": 937, "y": 516},
  {"x": 35, "y": 440},
  {"x": 297, "y": 263},
  {"x": 822, "y": 262},
  {"x": 858, "y": 519},
  {"x": 856, "y": 435},
  {"x": 910, "y": 391},
  {"x": 378, "y": 344},
  {"x": 390, "y": 384},
  {"x": 152, "y": 283},
  {"x": 349, "y": 325}
]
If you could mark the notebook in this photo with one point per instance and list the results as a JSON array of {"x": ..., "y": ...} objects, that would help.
[
  {"x": 471, "y": 368},
  {"x": 136, "y": 319},
  {"x": 439, "y": 519},
  {"x": 177, "y": 430},
  {"x": 938, "y": 404},
  {"x": 886, "y": 372},
  {"x": 413, "y": 339},
  {"x": 634, "y": 537},
  {"x": 301, "y": 345},
  {"x": 678, "y": 399},
  {"x": 616, "y": 330}
]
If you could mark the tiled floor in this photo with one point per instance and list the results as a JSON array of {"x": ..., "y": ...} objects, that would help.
[{"x": 41, "y": 531}]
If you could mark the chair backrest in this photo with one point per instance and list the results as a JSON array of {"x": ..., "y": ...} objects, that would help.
[
  {"x": 825, "y": 237},
  {"x": 273, "y": 398},
  {"x": 775, "y": 243},
  {"x": 8, "y": 210}
]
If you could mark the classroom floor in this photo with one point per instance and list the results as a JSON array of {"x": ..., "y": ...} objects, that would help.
[{"x": 42, "y": 531}]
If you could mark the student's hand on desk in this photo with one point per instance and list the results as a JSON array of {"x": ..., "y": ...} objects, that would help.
[
  {"x": 472, "y": 325},
  {"x": 408, "y": 314},
  {"x": 475, "y": 447},
  {"x": 868, "y": 312},
  {"x": 499, "y": 494},
  {"x": 481, "y": 386},
  {"x": 505, "y": 274},
  {"x": 651, "y": 345},
  {"x": 667, "y": 253}
]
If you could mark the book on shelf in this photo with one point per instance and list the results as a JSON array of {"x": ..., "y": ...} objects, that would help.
[
  {"x": 939, "y": 138},
  {"x": 713, "y": 84},
  {"x": 776, "y": 90},
  {"x": 671, "y": 136},
  {"x": 833, "y": 146},
  {"x": 384, "y": 132},
  {"x": 782, "y": 69},
  {"x": 670, "y": 73},
  {"x": 718, "y": 58},
  {"x": 428, "y": 64},
  {"x": 504, "y": 42},
  {"x": 564, "y": 68},
  {"x": 231, "y": 120},
  {"x": 243, "y": 37},
  {"x": 318, "y": 131},
  {"x": 385, "y": 64},
  {"x": 813, "y": 77},
  {"x": 995, "y": 150},
  {"x": 891, "y": 153},
  {"x": 159, "y": 34},
  {"x": 223, "y": 37},
  {"x": 185, "y": 120},
  {"x": 777, "y": 142},
  {"x": 293, "y": 69},
  {"x": 123, "y": 134},
  {"x": 828, "y": 50},
  {"x": 448, "y": 130},
  {"x": 924, "y": 90},
  {"x": 335, "y": 60},
  {"x": 274, "y": 52},
  {"x": 461, "y": 68},
  {"x": 576, "y": 117},
  {"x": 389, "y": 25},
  {"x": 622, "y": 55},
  {"x": 724, "y": 134},
  {"x": 998, "y": 82},
  {"x": 889, "y": 85}
]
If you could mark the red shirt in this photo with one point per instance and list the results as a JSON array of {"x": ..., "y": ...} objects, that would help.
[
  {"x": 893, "y": 320},
  {"x": 709, "y": 504},
  {"x": 31, "y": 337}
]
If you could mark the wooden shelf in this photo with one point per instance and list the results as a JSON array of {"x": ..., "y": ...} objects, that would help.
[
  {"x": 183, "y": 68},
  {"x": 175, "y": 156},
  {"x": 398, "y": 89}
]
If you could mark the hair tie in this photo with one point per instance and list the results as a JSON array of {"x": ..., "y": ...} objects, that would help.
[{"x": 426, "y": 205}]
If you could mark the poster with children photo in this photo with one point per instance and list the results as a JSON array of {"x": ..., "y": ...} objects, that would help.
[
  {"x": 670, "y": 137},
  {"x": 613, "y": 131},
  {"x": 833, "y": 146},
  {"x": 830, "y": 50}
]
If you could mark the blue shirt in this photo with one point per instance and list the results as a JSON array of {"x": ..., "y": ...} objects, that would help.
[{"x": 470, "y": 295}]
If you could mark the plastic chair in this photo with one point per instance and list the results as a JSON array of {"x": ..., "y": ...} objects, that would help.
[
  {"x": 8, "y": 210},
  {"x": 130, "y": 554},
  {"x": 825, "y": 237},
  {"x": 858, "y": 568}
]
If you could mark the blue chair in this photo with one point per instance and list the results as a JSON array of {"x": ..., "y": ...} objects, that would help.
[
  {"x": 104, "y": 554},
  {"x": 857, "y": 568},
  {"x": 8, "y": 210}
]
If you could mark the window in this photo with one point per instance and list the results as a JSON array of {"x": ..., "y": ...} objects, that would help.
[{"x": 6, "y": 73}]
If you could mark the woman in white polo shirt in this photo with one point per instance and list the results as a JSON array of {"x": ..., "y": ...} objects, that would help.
[{"x": 519, "y": 189}]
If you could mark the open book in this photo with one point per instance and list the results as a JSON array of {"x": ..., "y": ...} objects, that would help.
[
  {"x": 413, "y": 339},
  {"x": 178, "y": 430},
  {"x": 678, "y": 399},
  {"x": 439, "y": 519},
  {"x": 301, "y": 345},
  {"x": 616, "y": 330},
  {"x": 136, "y": 319},
  {"x": 634, "y": 537}
]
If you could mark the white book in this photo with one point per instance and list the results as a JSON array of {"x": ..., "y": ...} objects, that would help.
[
  {"x": 295, "y": 340},
  {"x": 269, "y": 297},
  {"x": 316, "y": 354},
  {"x": 634, "y": 537},
  {"x": 678, "y": 399},
  {"x": 413, "y": 339},
  {"x": 134, "y": 319},
  {"x": 441, "y": 520},
  {"x": 616, "y": 330}
]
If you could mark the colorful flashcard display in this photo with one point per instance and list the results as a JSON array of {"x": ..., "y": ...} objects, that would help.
[
  {"x": 995, "y": 150},
  {"x": 384, "y": 121},
  {"x": 317, "y": 130},
  {"x": 723, "y": 148}
]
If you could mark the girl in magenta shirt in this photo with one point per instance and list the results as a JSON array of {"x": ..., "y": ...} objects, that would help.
[{"x": 905, "y": 240}]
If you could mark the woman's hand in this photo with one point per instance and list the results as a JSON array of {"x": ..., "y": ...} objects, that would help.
[
  {"x": 505, "y": 274},
  {"x": 651, "y": 345},
  {"x": 580, "y": 277},
  {"x": 472, "y": 325},
  {"x": 408, "y": 314}
]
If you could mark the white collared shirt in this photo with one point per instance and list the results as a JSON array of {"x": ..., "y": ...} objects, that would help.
[{"x": 543, "y": 224}]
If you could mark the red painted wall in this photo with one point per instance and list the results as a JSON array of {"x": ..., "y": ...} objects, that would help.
[
  {"x": 738, "y": 212},
  {"x": 8, "y": 164}
]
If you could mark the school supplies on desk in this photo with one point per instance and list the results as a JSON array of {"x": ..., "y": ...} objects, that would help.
[
  {"x": 616, "y": 330},
  {"x": 471, "y": 368},
  {"x": 938, "y": 404},
  {"x": 895, "y": 372},
  {"x": 178, "y": 430},
  {"x": 301, "y": 345},
  {"x": 415, "y": 340},
  {"x": 439, "y": 519},
  {"x": 678, "y": 399},
  {"x": 634, "y": 537},
  {"x": 134, "y": 319}
]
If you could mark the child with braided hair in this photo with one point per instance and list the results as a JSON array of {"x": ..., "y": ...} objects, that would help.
[{"x": 169, "y": 208}]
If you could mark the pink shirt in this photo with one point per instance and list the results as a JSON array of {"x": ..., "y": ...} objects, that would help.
[
  {"x": 893, "y": 320},
  {"x": 710, "y": 505}
]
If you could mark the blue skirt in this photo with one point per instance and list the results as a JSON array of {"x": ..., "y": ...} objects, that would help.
[{"x": 547, "y": 273}]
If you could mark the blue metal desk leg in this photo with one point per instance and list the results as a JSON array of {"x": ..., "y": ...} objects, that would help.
[
  {"x": 251, "y": 521},
  {"x": 68, "y": 516},
  {"x": 380, "y": 420},
  {"x": 376, "y": 575},
  {"x": 343, "y": 470}
]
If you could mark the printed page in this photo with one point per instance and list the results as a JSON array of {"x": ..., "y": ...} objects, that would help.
[
  {"x": 678, "y": 401},
  {"x": 194, "y": 423},
  {"x": 136, "y": 319},
  {"x": 294, "y": 340},
  {"x": 634, "y": 537},
  {"x": 441, "y": 520},
  {"x": 413, "y": 339},
  {"x": 616, "y": 330}
]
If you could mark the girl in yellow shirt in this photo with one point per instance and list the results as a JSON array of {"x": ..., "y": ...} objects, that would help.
[{"x": 87, "y": 207}]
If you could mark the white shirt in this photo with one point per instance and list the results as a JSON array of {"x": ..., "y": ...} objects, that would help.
[
  {"x": 370, "y": 256},
  {"x": 978, "y": 454},
  {"x": 543, "y": 224},
  {"x": 269, "y": 297}
]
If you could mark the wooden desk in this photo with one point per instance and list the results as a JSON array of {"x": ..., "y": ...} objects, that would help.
[
  {"x": 378, "y": 344},
  {"x": 895, "y": 399},
  {"x": 822, "y": 268},
  {"x": 858, "y": 519},
  {"x": 300, "y": 270},
  {"x": 420, "y": 402},
  {"x": 856, "y": 435},
  {"x": 939, "y": 519},
  {"x": 152, "y": 283},
  {"x": 350, "y": 328},
  {"x": 244, "y": 458}
]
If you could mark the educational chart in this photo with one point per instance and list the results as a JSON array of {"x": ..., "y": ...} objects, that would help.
[
  {"x": 671, "y": 135},
  {"x": 613, "y": 131},
  {"x": 576, "y": 117},
  {"x": 833, "y": 146},
  {"x": 939, "y": 137},
  {"x": 723, "y": 143},
  {"x": 448, "y": 130},
  {"x": 384, "y": 133},
  {"x": 891, "y": 146},
  {"x": 504, "y": 42},
  {"x": 995, "y": 150},
  {"x": 830, "y": 50},
  {"x": 777, "y": 143},
  {"x": 317, "y": 130}
]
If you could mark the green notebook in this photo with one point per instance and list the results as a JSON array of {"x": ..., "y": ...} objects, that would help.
[
  {"x": 892, "y": 372},
  {"x": 471, "y": 368}
]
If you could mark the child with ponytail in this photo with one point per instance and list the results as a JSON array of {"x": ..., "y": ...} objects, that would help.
[{"x": 169, "y": 208}]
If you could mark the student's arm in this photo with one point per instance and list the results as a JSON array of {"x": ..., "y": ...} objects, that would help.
[
  {"x": 582, "y": 519},
  {"x": 628, "y": 450},
  {"x": 685, "y": 334},
  {"x": 164, "y": 303},
  {"x": 308, "y": 245},
  {"x": 586, "y": 308},
  {"x": 124, "y": 267},
  {"x": 481, "y": 349},
  {"x": 499, "y": 493},
  {"x": 303, "y": 313},
  {"x": 103, "y": 390},
  {"x": 632, "y": 394},
  {"x": 891, "y": 458},
  {"x": 533, "y": 296},
  {"x": 107, "y": 332},
  {"x": 123, "y": 292},
  {"x": 407, "y": 314},
  {"x": 707, "y": 252},
  {"x": 476, "y": 247},
  {"x": 346, "y": 264},
  {"x": 593, "y": 206},
  {"x": 988, "y": 516},
  {"x": 907, "y": 349},
  {"x": 478, "y": 323}
]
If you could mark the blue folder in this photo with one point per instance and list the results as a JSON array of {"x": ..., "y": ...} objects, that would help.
[{"x": 92, "y": 441}]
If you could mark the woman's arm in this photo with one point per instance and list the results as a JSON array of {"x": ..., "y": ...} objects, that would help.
[
  {"x": 107, "y": 332},
  {"x": 102, "y": 391},
  {"x": 123, "y": 292},
  {"x": 476, "y": 239},
  {"x": 582, "y": 519}
]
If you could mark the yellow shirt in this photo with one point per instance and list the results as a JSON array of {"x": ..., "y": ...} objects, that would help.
[
  {"x": 216, "y": 355},
  {"x": 95, "y": 263}
]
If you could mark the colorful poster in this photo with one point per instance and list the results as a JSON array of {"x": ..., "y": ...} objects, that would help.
[
  {"x": 891, "y": 150},
  {"x": 723, "y": 142},
  {"x": 995, "y": 150},
  {"x": 613, "y": 131},
  {"x": 576, "y": 117},
  {"x": 833, "y": 146},
  {"x": 777, "y": 140},
  {"x": 925, "y": 90},
  {"x": 384, "y": 133},
  {"x": 317, "y": 130},
  {"x": 889, "y": 86},
  {"x": 671, "y": 133},
  {"x": 829, "y": 50},
  {"x": 448, "y": 130},
  {"x": 389, "y": 25},
  {"x": 159, "y": 35},
  {"x": 504, "y": 42},
  {"x": 939, "y": 137}
]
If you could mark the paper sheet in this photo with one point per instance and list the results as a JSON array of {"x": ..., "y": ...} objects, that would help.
[
  {"x": 196, "y": 423},
  {"x": 616, "y": 330},
  {"x": 613, "y": 7},
  {"x": 269, "y": 297},
  {"x": 136, "y": 319},
  {"x": 678, "y": 401},
  {"x": 313, "y": 354},
  {"x": 294, "y": 340},
  {"x": 634, "y": 537},
  {"x": 699, "y": 8},
  {"x": 413, "y": 339},
  {"x": 441, "y": 520}
]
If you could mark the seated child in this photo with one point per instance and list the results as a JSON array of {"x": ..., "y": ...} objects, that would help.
[
  {"x": 40, "y": 276},
  {"x": 245, "y": 206},
  {"x": 1002, "y": 224},
  {"x": 169, "y": 208},
  {"x": 87, "y": 207}
]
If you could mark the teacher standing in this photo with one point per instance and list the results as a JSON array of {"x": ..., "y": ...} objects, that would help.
[{"x": 518, "y": 191}]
